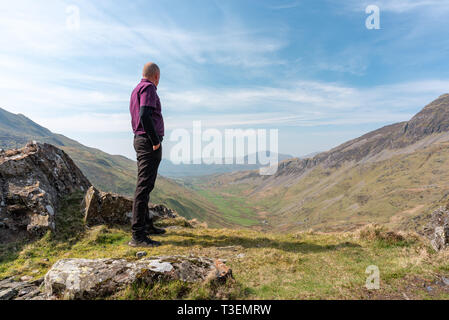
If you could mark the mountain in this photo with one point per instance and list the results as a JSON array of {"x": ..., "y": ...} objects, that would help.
[
  {"x": 168, "y": 169},
  {"x": 393, "y": 176},
  {"x": 51, "y": 230},
  {"x": 111, "y": 173}
]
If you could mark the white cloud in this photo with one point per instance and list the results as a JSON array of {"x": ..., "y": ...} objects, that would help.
[
  {"x": 88, "y": 123},
  {"x": 306, "y": 104},
  {"x": 281, "y": 98},
  {"x": 407, "y": 5},
  {"x": 45, "y": 33},
  {"x": 286, "y": 5},
  {"x": 400, "y": 6}
]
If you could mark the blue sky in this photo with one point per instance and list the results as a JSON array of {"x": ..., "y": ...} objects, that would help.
[{"x": 308, "y": 68}]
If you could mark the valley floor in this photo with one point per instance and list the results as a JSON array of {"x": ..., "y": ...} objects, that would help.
[{"x": 301, "y": 265}]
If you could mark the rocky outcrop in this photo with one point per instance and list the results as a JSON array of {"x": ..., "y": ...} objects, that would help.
[
  {"x": 109, "y": 208},
  {"x": 106, "y": 208},
  {"x": 21, "y": 290},
  {"x": 89, "y": 279},
  {"x": 33, "y": 180},
  {"x": 161, "y": 212},
  {"x": 438, "y": 228}
]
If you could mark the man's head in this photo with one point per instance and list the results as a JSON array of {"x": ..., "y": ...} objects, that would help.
[{"x": 152, "y": 72}]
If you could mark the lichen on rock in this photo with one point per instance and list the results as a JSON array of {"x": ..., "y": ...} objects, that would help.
[
  {"x": 89, "y": 279},
  {"x": 33, "y": 180},
  {"x": 437, "y": 230}
]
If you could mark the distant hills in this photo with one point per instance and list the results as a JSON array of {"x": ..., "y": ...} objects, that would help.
[
  {"x": 168, "y": 169},
  {"x": 393, "y": 175}
]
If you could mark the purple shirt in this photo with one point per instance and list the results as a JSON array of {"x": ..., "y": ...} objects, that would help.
[{"x": 145, "y": 95}]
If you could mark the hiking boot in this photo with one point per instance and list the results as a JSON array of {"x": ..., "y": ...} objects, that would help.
[
  {"x": 150, "y": 229},
  {"x": 143, "y": 242}
]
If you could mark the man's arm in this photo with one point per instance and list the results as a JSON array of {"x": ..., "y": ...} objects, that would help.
[{"x": 147, "y": 122}]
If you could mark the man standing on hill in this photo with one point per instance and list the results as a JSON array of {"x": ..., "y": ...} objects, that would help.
[{"x": 148, "y": 128}]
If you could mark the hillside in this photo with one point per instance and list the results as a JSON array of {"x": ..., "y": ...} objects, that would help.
[
  {"x": 112, "y": 173},
  {"x": 62, "y": 239},
  {"x": 393, "y": 175},
  {"x": 298, "y": 265}
]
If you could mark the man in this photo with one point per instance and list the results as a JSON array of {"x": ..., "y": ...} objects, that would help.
[{"x": 148, "y": 128}]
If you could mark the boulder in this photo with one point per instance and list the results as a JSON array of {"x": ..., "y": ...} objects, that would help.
[
  {"x": 90, "y": 279},
  {"x": 106, "y": 208},
  {"x": 109, "y": 208},
  {"x": 161, "y": 212},
  {"x": 437, "y": 229},
  {"x": 33, "y": 180}
]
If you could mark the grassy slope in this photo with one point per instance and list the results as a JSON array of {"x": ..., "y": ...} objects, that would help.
[
  {"x": 298, "y": 265},
  {"x": 397, "y": 192}
]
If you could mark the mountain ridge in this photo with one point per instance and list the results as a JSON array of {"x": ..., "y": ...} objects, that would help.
[
  {"x": 392, "y": 175},
  {"x": 168, "y": 169},
  {"x": 393, "y": 136}
]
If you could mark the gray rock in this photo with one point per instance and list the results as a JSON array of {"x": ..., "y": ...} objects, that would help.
[
  {"x": 438, "y": 229},
  {"x": 161, "y": 212},
  {"x": 5, "y": 281},
  {"x": 8, "y": 294},
  {"x": 21, "y": 290},
  {"x": 89, "y": 279},
  {"x": 11, "y": 284},
  {"x": 26, "y": 278},
  {"x": 31, "y": 294},
  {"x": 33, "y": 181},
  {"x": 106, "y": 208},
  {"x": 141, "y": 254},
  {"x": 445, "y": 281},
  {"x": 230, "y": 248},
  {"x": 25, "y": 290},
  {"x": 109, "y": 208}
]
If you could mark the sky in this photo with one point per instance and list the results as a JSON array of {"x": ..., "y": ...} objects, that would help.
[{"x": 309, "y": 68}]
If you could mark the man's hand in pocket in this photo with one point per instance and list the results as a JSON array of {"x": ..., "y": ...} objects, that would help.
[{"x": 156, "y": 147}]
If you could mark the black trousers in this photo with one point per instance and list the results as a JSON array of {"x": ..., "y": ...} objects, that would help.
[{"x": 147, "y": 164}]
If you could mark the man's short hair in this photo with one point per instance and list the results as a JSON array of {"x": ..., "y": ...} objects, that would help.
[{"x": 150, "y": 70}]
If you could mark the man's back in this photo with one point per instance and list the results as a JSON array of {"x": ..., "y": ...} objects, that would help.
[{"x": 145, "y": 94}]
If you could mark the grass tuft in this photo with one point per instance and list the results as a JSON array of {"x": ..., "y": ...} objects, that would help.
[{"x": 384, "y": 237}]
